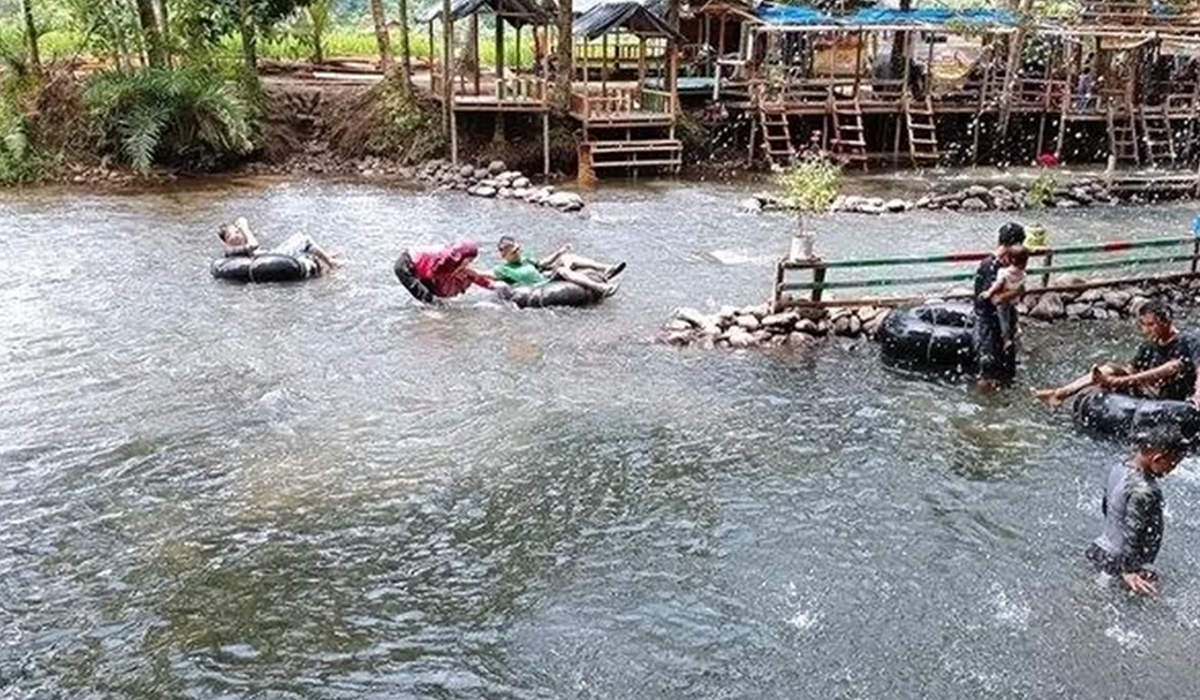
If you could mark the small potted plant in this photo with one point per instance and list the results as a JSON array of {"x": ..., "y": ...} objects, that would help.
[{"x": 810, "y": 187}]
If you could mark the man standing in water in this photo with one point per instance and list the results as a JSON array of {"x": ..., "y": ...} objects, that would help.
[
  {"x": 997, "y": 362},
  {"x": 1133, "y": 511}
]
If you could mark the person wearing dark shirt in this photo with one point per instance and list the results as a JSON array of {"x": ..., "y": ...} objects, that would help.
[
  {"x": 1164, "y": 366},
  {"x": 1133, "y": 511},
  {"x": 997, "y": 362}
]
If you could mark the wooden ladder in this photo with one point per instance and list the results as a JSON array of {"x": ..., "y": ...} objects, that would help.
[
  {"x": 922, "y": 131},
  {"x": 1122, "y": 136},
  {"x": 1156, "y": 136},
  {"x": 777, "y": 137},
  {"x": 849, "y": 140}
]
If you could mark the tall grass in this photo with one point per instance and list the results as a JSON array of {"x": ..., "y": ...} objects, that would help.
[
  {"x": 348, "y": 42},
  {"x": 340, "y": 42}
]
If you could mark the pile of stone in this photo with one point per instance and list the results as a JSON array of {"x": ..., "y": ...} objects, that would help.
[
  {"x": 496, "y": 180},
  {"x": 970, "y": 199},
  {"x": 757, "y": 326}
]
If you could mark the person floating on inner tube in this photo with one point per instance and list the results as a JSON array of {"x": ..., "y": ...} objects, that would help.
[
  {"x": 239, "y": 240},
  {"x": 1133, "y": 510},
  {"x": 517, "y": 269},
  {"x": 1007, "y": 290},
  {"x": 433, "y": 274},
  {"x": 997, "y": 361},
  {"x": 1163, "y": 368}
]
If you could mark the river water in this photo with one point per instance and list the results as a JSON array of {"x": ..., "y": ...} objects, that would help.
[{"x": 324, "y": 490}]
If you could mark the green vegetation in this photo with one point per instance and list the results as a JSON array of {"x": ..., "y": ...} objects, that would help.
[
  {"x": 192, "y": 118},
  {"x": 1041, "y": 189},
  {"x": 175, "y": 82},
  {"x": 811, "y": 185},
  {"x": 17, "y": 163},
  {"x": 403, "y": 127}
]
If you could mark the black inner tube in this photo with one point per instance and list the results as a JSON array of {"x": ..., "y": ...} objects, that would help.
[
  {"x": 936, "y": 337},
  {"x": 1121, "y": 417},
  {"x": 408, "y": 278},
  {"x": 268, "y": 267},
  {"x": 555, "y": 293}
]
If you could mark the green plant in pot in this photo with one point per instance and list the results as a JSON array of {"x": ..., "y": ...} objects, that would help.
[{"x": 810, "y": 186}]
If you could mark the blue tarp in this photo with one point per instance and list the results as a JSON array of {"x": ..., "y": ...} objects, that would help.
[
  {"x": 937, "y": 16},
  {"x": 791, "y": 15}
]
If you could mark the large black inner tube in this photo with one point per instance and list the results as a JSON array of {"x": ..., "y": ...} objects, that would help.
[
  {"x": 1121, "y": 417},
  {"x": 556, "y": 293},
  {"x": 937, "y": 337},
  {"x": 268, "y": 267},
  {"x": 408, "y": 278}
]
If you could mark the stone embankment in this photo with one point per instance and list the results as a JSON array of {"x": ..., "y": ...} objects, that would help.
[
  {"x": 496, "y": 180},
  {"x": 968, "y": 199},
  {"x": 756, "y": 326}
]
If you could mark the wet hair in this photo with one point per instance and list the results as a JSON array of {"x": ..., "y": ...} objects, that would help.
[
  {"x": 1011, "y": 233},
  {"x": 224, "y": 231},
  {"x": 1162, "y": 438},
  {"x": 1160, "y": 311},
  {"x": 1018, "y": 255},
  {"x": 507, "y": 242}
]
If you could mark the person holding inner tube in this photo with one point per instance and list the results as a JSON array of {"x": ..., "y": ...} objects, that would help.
[
  {"x": 517, "y": 269},
  {"x": 1132, "y": 506},
  {"x": 433, "y": 274},
  {"x": 997, "y": 361},
  {"x": 239, "y": 240},
  {"x": 1164, "y": 366}
]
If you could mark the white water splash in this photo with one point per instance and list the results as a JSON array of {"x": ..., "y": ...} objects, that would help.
[
  {"x": 1127, "y": 639},
  {"x": 1009, "y": 612}
]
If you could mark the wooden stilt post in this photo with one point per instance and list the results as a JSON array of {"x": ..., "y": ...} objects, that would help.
[
  {"x": 499, "y": 56},
  {"x": 448, "y": 68},
  {"x": 478, "y": 58},
  {"x": 546, "y": 143},
  {"x": 604, "y": 65}
]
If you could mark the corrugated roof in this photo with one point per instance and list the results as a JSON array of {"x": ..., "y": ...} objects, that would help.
[
  {"x": 516, "y": 12},
  {"x": 636, "y": 18}
]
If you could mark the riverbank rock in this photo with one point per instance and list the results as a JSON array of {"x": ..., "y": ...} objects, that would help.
[
  {"x": 495, "y": 181},
  {"x": 756, "y": 326},
  {"x": 973, "y": 198}
]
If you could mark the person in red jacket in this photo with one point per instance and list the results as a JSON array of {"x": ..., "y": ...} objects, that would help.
[{"x": 431, "y": 274}]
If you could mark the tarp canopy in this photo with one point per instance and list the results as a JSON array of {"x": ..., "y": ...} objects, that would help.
[
  {"x": 603, "y": 18},
  {"x": 791, "y": 15},
  {"x": 516, "y": 12},
  {"x": 929, "y": 16}
]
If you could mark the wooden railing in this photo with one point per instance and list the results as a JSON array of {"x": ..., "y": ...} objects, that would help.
[
  {"x": 1113, "y": 255},
  {"x": 521, "y": 88},
  {"x": 513, "y": 88},
  {"x": 616, "y": 55},
  {"x": 622, "y": 101}
]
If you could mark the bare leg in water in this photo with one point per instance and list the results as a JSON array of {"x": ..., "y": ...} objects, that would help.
[
  {"x": 1055, "y": 397},
  {"x": 570, "y": 261},
  {"x": 585, "y": 281}
]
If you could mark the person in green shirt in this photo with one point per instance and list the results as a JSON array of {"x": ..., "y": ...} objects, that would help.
[{"x": 518, "y": 269}]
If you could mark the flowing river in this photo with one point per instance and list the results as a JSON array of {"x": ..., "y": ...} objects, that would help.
[{"x": 323, "y": 490}]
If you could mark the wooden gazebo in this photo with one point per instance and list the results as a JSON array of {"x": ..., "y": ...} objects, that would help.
[
  {"x": 467, "y": 87},
  {"x": 627, "y": 125}
]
